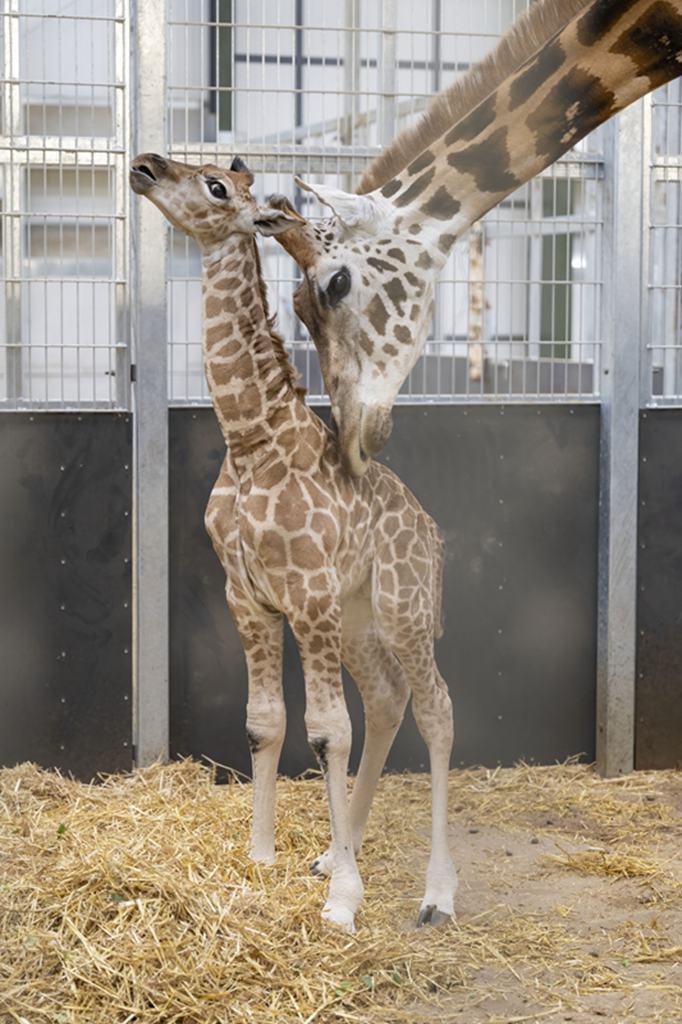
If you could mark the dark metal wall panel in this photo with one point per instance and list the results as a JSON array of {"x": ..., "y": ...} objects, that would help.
[
  {"x": 65, "y": 591},
  {"x": 658, "y": 741},
  {"x": 515, "y": 490}
]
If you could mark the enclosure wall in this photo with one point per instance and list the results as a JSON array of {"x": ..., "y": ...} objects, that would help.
[
  {"x": 557, "y": 321},
  {"x": 515, "y": 491},
  {"x": 66, "y": 591}
]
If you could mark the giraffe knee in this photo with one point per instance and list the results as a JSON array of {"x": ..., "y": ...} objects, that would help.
[
  {"x": 329, "y": 737},
  {"x": 432, "y": 707},
  {"x": 265, "y": 727},
  {"x": 385, "y": 710}
]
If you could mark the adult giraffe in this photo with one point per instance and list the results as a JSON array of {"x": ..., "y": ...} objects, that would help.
[{"x": 370, "y": 270}]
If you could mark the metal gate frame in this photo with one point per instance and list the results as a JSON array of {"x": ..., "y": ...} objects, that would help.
[{"x": 623, "y": 389}]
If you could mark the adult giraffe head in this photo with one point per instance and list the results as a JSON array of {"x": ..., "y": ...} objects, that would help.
[{"x": 369, "y": 271}]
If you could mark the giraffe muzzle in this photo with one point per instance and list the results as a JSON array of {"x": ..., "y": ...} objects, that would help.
[
  {"x": 362, "y": 431},
  {"x": 375, "y": 428},
  {"x": 145, "y": 172}
]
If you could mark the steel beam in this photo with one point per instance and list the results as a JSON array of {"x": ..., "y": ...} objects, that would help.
[
  {"x": 626, "y": 168},
  {"x": 150, "y": 400}
]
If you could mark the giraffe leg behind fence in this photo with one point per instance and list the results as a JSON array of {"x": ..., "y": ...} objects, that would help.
[{"x": 380, "y": 680}]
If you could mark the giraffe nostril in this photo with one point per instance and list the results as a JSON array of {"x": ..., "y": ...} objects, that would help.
[{"x": 143, "y": 169}]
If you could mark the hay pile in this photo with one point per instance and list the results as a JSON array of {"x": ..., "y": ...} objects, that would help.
[{"x": 133, "y": 901}]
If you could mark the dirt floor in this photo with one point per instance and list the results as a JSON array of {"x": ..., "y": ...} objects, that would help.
[{"x": 133, "y": 902}]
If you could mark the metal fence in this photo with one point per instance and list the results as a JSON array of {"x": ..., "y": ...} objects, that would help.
[
  {"x": 310, "y": 89},
  {"x": 63, "y": 152},
  {"x": 315, "y": 90},
  {"x": 663, "y": 378}
]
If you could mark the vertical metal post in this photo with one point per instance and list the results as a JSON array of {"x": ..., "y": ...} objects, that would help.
[
  {"x": 387, "y": 124},
  {"x": 625, "y": 169},
  {"x": 150, "y": 399},
  {"x": 351, "y": 79},
  {"x": 122, "y": 101},
  {"x": 16, "y": 174}
]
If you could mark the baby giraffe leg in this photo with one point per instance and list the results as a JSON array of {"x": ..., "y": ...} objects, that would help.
[
  {"x": 265, "y": 727},
  {"x": 380, "y": 680},
  {"x": 329, "y": 734},
  {"x": 432, "y": 709}
]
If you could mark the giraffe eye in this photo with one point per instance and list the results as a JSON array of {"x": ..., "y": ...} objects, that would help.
[
  {"x": 217, "y": 190},
  {"x": 338, "y": 287}
]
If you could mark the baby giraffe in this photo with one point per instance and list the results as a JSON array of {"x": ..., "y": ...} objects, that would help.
[{"x": 354, "y": 564}]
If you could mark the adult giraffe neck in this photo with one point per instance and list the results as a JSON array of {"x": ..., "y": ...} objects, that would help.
[{"x": 609, "y": 54}]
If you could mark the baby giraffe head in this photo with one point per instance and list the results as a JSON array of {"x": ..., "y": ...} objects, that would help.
[{"x": 208, "y": 203}]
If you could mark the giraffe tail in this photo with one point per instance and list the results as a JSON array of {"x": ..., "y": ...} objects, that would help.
[{"x": 438, "y": 555}]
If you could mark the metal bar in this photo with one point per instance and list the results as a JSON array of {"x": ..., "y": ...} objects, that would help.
[
  {"x": 351, "y": 81},
  {"x": 120, "y": 223},
  {"x": 621, "y": 311},
  {"x": 12, "y": 204},
  {"x": 389, "y": 18},
  {"x": 150, "y": 394},
  {"x": 298, "y": 63},
  {"x": 436, "y": 58}
]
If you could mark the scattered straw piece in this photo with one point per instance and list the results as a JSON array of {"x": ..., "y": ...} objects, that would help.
[
  {"x": 133, "y": 901},
  {"x": 605, "y": 864}
]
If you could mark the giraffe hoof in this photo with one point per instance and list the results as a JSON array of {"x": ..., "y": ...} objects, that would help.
[
  {"x": 266, "y": 859},
  {"x": 339, "y": 917},
  {"x": 321, "y": 866},
  {"x": 432, "y": 915}
]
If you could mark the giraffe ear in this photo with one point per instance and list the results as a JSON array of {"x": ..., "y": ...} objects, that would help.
[
  {"x": 352, "y": 210},
  {"x": 268, "y": 220},
  {"x": 239, "y": 167}
]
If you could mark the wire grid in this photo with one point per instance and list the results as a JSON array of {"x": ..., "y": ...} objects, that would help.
[
  {"x": 664, "y": 320},
  {"x": 296, "y": 87},
  {"x": 63, "y": 131}
]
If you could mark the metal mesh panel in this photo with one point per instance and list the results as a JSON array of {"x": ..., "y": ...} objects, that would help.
[
  {"x": 664, "y": 320},
  {"x": 64, "y": 200},
  {"x": 312, "y": 89}
]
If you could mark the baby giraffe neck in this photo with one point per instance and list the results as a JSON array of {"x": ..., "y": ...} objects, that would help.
[{"x": 249, "y": 381}]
